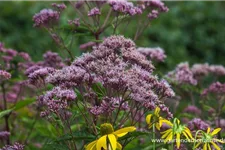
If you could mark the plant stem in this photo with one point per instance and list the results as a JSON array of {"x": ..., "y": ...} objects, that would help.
[
  {"x": 196, "y": 134},
  {"x": 6, "y": 117},
  {"x": 153, "y": 135}
]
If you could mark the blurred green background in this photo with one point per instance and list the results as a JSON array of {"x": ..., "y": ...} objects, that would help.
[{"x": 190, "y": 31}]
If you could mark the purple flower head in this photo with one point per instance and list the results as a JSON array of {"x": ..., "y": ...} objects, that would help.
[
  {"x": 96, "y": 110},
  {"x": 25, "y": 56},
  {"x": 7, "y": 59},
  {"x": 220, "y": 123},
  {"x": 60, "y": 7},
  {"x": 45, "y": 17},
  {"x": 79, "y": 4},
  {"x": 192, "y": 109},
  {"x": 57, "y": 99},
  {"x": 94, "y": 12},
  {"x": 4, "y": 134},
  {"x": 68, "y": 76},
  {"x": 200, "y": 70},
  {"x": 157, "y": 4},
  {"x": 153, "y": 15},
  {"x": 156, "y": 54},
  {"x": 38, "y": 76},
  {"x": 75, "y": 22},
  {"x": 214, "y": 88},
  {"x": 183, "y": 74},
  {"x": 218, "y": 70},
  {"x": 32, "y": 69},
  {"x": 53, "y": 60},
  {"x": 123, "y": 6},
  {"x": 117, "y": 68},
  {"x": 16, "y": 146},
  {"x": 197, "y": 124},
  {"x": 11, "y": 52},
  {"x": 4, "y": 75}
]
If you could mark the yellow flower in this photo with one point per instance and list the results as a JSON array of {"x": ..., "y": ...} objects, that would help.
[
  {"x": 156, "y": 119},
  {"x": 108, "y": 139},
  {"x": 176, "y": 130},
  {"x": 207, "y": 139}
]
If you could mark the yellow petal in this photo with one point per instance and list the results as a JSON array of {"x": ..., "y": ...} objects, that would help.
[
  {"x": 209, "y": 147},
  {"x": 119, "y": 146},
  {"x": 218, "y": 140},
  {"x": 188, "y": 132},
  {"x": 166, "y": 133},
  {"x": 157, "y": 126},
  {"x": 160, "y": 121},
  {"x": 215, "y": 131},
  {"x": 113, "y": 141},
  {"x": 148, "y": 119},
  {"x": 101, "y": 143},
  {"x": 124, "y": 131},
  {"x": 178, "y": 140},
  {"x": 169, "y": 137},
  {"x": 91, "y": 145},
  {"x": 208, "y": 130},
  {"x": 185, "y": 134},
  {"x": 157, "y": 110},
  {"x": 167, "y": 122},
  {"x": 205, "y": 147},
  {"x": 178, "y": 121},
  {"x": 216, "y": 146}
]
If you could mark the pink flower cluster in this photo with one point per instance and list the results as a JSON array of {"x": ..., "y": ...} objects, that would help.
[
  {"x": 183, "y": 74},
  {"x": 37, "y": 72},
  {"x": 4, "y": 134},
  {"x": 60, "y": 7},
  {"x": 94, "y": 12},
  {"x": 192, "y": 109},
  {"x": 204, "y": 69},
  {"x": 57, "y": 100},
  {"x": 4, "y": 75},
  {"x": 157, "y": 4},
  {"x": 156, "y": 54},
  {"x": 45, "y": 17},
  {"x": 16, "y": 146},
  {"x": 75, "y": 22},
  {"x": 123, "y": 6},
  {"x": 119, "y": 68},
  {"x": 198, "y": 124},
  {"x": 215, "y": 88}
]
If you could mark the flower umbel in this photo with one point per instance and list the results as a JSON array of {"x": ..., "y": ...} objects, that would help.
[
  {"x": 176, "y": 130},
  {"x": 156, "y": 119},
  {"x": 108, "y": 139},
  {"x": 207, "y": 138}
]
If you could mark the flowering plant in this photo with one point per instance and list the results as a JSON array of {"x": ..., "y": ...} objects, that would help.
[{"x": 113, "y": 84}]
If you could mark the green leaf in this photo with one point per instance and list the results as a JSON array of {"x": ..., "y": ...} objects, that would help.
[
  {"x": 223, "y": 109},
  {"x": 99, "y": 89},
  {"x": 23, "y": 103},
  {"x": 79, "y": 95},
  {"x": 5, "y": 112}
]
